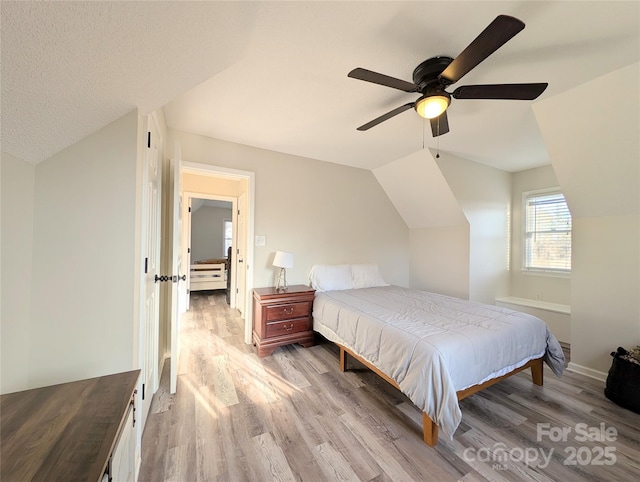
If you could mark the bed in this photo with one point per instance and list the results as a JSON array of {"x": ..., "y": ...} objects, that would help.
[
  {"x": 436, "y": 349},
  {"x": 208, "y": 274}
]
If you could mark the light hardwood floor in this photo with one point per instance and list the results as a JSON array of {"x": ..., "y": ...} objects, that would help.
[{"x": 295, "y": 416}]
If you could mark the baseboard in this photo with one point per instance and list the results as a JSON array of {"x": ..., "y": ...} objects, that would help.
[
  {"x": 588, "y": 372},
  {"x": 165, "y": 357}
]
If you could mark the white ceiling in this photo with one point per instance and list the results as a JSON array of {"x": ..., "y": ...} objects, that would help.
[{"x": 274, "y": 74}]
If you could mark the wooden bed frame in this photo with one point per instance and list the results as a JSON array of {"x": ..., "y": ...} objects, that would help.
[{"x": 429, "y": 428}]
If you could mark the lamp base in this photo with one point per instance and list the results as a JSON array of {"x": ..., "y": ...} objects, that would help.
[{"x": 281, "y": 283}]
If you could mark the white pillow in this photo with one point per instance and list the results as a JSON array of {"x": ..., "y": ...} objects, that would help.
[
  {"x": 366, "y": 276},
  {"x": 327, "y": 277}
]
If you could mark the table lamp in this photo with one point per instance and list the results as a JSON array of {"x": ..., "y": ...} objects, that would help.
[{"x": 282, "y": 260}]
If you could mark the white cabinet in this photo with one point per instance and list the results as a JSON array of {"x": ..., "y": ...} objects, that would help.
[{"x": 122, "y": 464}]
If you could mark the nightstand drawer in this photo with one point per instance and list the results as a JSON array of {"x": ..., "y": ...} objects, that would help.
[
  {"x": 288, "y": 311},
  {"x": 288, "y": 327}
]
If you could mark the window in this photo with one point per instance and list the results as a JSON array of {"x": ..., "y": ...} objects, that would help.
[
  {"x": 228, "y": 236},
  {"x": 547, "y": 239}
]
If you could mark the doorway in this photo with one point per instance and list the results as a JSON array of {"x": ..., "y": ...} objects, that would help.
[
  {"x": 210, "y": 241},
  {"x": 202, "y": 181}
]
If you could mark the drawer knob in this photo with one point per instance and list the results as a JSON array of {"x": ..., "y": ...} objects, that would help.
[
  {"x": 288, "y": 328},
  {"x": 288, "y": 311}
]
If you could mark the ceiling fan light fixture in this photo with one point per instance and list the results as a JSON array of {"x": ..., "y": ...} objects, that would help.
[{"x": 432, "y": 105}]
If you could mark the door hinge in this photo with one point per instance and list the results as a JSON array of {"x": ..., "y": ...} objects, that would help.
[
  {"x": 149, "y": 139},
  {"x": 146, "y": 265},
  {"x": 238, "y": 212},
  {"x": 143, "y": 391},
  {"x": 135, "y": 392},
  {"x": 188, "y": 250},
  {"x": 189, "y": 208}
]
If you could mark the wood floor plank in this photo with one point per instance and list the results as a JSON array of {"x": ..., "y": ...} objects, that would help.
[
  {"x": 310, "y": 355},
  {"x": 295, "y": 416},
  {"x": 209, "y": 455},
  {"x": 385, "y": 454},
  {"x": 333, "y": 464},
  {"x": 223, "y": 387},
  {"x": 274, "y": 462},
  {"x": 288, "y": 370}
]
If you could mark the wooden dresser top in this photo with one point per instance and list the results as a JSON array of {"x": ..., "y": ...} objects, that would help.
[
  {"x": 291, "y": 291},
  {"x": 63, "y": 432}
]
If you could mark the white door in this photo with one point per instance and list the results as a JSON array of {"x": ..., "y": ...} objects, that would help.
[
  {"x": 185, "y": 288},
  {"x": 178, "y": 285},
  {"x": 241, "y": 270},
  {"x": 149, "y": 329}
]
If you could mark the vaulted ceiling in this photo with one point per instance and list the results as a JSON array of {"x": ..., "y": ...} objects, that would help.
[{"x": 274, "y": 74}]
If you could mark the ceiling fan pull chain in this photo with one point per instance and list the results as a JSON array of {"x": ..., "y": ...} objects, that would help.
[{"x": 438, "y": 141}]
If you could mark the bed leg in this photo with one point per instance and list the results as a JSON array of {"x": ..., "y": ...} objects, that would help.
[
  {"x": 429, "y": 430},
  {"x": 343, "y": 360},
  {"x": 537, "y": 372}
]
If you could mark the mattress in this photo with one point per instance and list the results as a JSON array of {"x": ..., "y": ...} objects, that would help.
[{"x": 433, "y": 345}]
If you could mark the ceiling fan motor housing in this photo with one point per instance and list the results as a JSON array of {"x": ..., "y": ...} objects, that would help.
[{"x": 426, "y": 74}]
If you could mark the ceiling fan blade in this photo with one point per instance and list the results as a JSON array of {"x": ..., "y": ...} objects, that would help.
[
  {"x": 388, "y": 115},
  {"x": 499, "y": 32},
  {"x": 500, "y": 91},
  {"x": 440, "y": 125},
  {"x": 381, "y": 79}
]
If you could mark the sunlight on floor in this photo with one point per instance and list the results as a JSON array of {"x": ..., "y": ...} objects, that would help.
[{"x": 209, "y": 366}]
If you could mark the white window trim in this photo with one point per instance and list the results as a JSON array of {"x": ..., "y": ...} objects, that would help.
[{"x": 549, "y": 272}]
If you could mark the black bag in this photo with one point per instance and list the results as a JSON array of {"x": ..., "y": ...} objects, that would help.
[{"x": 623, "y": 381}]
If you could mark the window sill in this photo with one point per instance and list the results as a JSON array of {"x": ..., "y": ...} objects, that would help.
[{"x": 547, "y": 273}]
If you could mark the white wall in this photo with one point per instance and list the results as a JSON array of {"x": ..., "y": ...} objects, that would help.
[
  {"x": 484, "y": 195},
  {"x": 458, "y": 214},
  {"x": 319, "y": 211},
  {"x": 440, "y": 260},
  {"x": 605, "y": 287},
  {"x": 82, "y": 320},
  {"x": 439, "y": 231},
  {"x": 532, "y": 286},
  {"x": 18, "y": 181},
  {"x": 592, "y": 140},
  {"x": 207, "y": 232},
  {"x": 420, "y": 192}
]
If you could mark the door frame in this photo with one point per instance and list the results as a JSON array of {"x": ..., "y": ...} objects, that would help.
[
  {"x": 218, "y": 171},
  {"x": 188, "y": 196}
]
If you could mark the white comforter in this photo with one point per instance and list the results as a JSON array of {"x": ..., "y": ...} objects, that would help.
[{"x": 433, "y": 345}]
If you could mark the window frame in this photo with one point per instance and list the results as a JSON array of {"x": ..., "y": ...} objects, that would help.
[{"x": 541, "y": 271}]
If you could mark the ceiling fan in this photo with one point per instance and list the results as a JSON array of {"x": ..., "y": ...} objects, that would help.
[{"x": 434, "y": 75}]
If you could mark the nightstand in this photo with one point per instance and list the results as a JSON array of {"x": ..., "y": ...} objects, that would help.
[{"x": 281, "y": 318}]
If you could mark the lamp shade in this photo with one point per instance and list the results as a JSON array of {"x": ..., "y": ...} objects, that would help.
[
  {"x": 283, "y": 260},
  {"x": 431, "y": 106}
]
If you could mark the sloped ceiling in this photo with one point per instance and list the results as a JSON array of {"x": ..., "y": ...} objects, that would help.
[
  {"x": 420, "y": 192},
  {"x": 596, "y": 157},
  {"x": 274, "y": 74}
]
